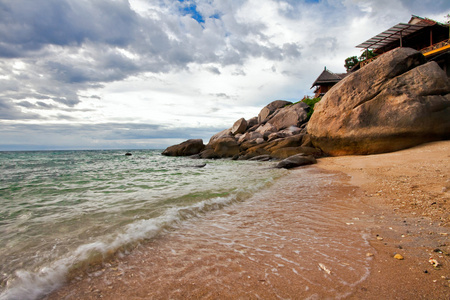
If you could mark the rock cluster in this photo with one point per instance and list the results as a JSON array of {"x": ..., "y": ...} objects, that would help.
[
  {"x": 397, "y": 101},
  {"x": 278, "y": 132}
]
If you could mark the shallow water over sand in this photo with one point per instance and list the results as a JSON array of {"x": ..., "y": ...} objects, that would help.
[
  {"x": 302, "y": 238},
  {"x": 64, "y": 210}
]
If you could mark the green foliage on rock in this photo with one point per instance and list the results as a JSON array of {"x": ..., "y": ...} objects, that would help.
[
  {"x": 311, "y": 102},
  {"x": 350, "y": 62},
  {"x": 367, "y": 54}
]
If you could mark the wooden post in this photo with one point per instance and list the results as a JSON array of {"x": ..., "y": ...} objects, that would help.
[
  {"x": 431, "y": 37},
  {"x": 401, "y": 39}
]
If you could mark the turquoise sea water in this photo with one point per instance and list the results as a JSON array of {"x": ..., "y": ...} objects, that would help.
[{"x": 63, "y": 209}]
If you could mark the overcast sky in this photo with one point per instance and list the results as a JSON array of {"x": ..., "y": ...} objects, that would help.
[{"x": 127, "y": 74}]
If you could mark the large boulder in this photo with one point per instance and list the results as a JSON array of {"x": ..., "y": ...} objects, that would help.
[
  {"x": 280, "y": 148},
  {"x": 270, "y": 109},
  {"x": 291, "y": 141},
  {"x": 223, "y": 147},
  {"x": 395, "y": 102},
  {"x": 187, "y": 148},
  {"x": 252, "y": 122},
  {"x": 266, "y": 130},
  {"x": 249, "y": 136},
  {"x": 253, "y": 152},
  {"x": 222, "y": 134},
  {"x": 290, "y": 115},
  {"x": 239, "y": 127},
  {"x": 209, "y": 154},
  {"x": 292, "y": 130}
]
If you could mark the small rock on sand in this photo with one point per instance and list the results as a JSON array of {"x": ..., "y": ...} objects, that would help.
[{"x": 399, "y": 256}]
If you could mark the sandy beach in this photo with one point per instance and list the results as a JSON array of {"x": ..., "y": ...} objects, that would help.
[
  {"x": 412, "y": 189},
  {"x": 331, "y": 230}
]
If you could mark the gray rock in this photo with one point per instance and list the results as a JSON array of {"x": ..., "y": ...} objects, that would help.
[
  {"x": 261, "y": 158},
  {"x": 271, "y": 108},
  {"x": 259, "y": 141},
  {"x": 266, "y": 129},
  {"x": 296, "y": 161},
  {"x": 292, "y": 130},
  {"x": 276, "y": 135},
  {"x": 291, "y": 115},
  {"x": 249, "y": 136},
  {"x": 286, "y": 152},
  {"x": 252, "y": 122}
]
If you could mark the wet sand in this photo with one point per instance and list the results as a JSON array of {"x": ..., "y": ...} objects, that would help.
[
  {"x": 412, "y": 189},
  {"x": 324, "y": 231}
]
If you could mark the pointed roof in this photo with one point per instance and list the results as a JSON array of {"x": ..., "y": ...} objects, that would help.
[
  {"x": 328, "y": 77},
  {"x": 423, "y": 21}
]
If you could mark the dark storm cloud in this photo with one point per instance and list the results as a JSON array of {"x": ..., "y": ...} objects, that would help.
[
  {"x": 29, "y": 25},
  {"x": 9, "y": 111},
  {"x": 68, "y": 46},
  {"x": 34, "y": 82}
]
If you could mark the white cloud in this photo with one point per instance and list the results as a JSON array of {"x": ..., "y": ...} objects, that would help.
[{"x": 197, "y": 64}]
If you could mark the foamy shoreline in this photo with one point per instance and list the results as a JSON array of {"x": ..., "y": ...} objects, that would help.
[{"x": 390, "y": 211}]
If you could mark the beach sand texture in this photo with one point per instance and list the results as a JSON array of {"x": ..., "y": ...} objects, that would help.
[{"x": 324, "y": 231}]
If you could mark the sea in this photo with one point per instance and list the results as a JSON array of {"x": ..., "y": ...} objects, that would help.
[{"x": 63, "y": 210}]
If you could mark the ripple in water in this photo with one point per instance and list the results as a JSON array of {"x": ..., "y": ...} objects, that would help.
[{"x": 65, "y": 209}]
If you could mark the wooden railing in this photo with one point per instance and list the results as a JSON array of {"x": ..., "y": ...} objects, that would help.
[
  {"x": 436, "y": 47},
  {"x": 368, "y": 61}
]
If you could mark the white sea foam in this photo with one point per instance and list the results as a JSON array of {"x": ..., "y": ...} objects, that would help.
[
  {"x": 30, "y": 285},
  {"x": 61, "y": 209}
]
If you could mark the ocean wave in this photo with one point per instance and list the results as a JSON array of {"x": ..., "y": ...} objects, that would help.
[{"x": 33, "y": 285}]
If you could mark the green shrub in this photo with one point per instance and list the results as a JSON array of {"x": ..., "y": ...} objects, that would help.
[
  {"x": 311, "y": 102},
  {"x": 350, "y": 62}
]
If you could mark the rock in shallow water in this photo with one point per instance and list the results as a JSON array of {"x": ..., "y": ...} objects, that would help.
[
  {"x": 187, "y": 148},
  {"x": 296, "y": 161}
]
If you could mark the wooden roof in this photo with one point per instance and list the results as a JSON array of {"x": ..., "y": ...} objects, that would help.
[
  {"x": 397, "y": 32},
  {"x": 391, "y": 35},
  {"x": 328, "y": 77}
]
